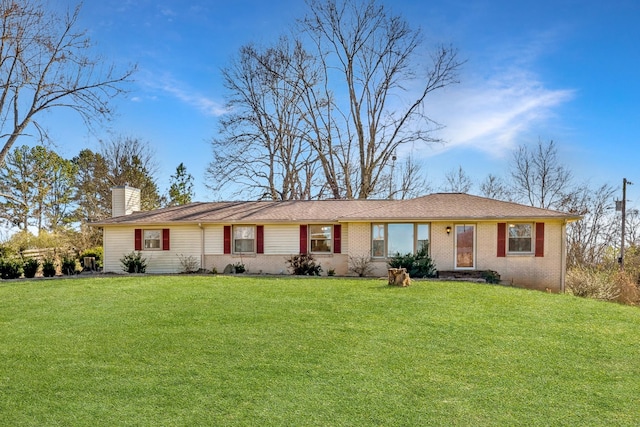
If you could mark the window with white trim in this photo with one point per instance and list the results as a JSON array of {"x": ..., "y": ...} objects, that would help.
[
  {"x": 320, "y": 238},
  {"x": 520, "y": 238},
  {"x": 152, "y": 239},
  {"x": 390, "y": 239},
  {"x": 244, "y": 239}
]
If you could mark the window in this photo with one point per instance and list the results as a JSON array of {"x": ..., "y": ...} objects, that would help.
[
  {"x": 400, "y": 238},
  {"x": 520, "y": 238},
  {"x": 378, "y": 243},
  {"x": 320, "y": 238},
  {"x": 244, "y": 238},
  {"x": 153, "y": 239}
]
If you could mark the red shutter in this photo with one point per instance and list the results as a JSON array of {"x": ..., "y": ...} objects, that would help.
[
  {"x": 260, "y": 239},
  {"x": 502, "y": 239},
  {"x": 540, "y": 239},
  {"x": 165, "y": 239},
  {"x": 227, "y": 239},
  {"x": 138, "y": 239},
  {"x": 303, "y": 239},
  {"x": 337, "y": 239}
]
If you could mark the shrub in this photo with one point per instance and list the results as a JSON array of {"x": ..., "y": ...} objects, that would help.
[
  {"x": 361, "y": 265},
  {"x": 592, "y": 283},
  {"x": 31, "y": 266},
  {"x": 491, "y": 276},
  {"x": 239, "y": 268},
  {"x": 48, "y": 267},
  {"x": 419, "y": 264},
  {"x": 69, "y": 266},
  {"x": 304, "y": 265},
  {"x": 628, "y": 286},
  {"x": 134, "y": 263},
  {"x": 10, "y": 268},
  {"x": 190, "y": 264}
]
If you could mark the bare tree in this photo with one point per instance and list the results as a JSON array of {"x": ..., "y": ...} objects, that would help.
[
  {"x": 410, "y": 179},
  {"x": 494, "y": 187},
  {"x": 325, "y": 120},
  {"x": 632, "y": 233},
  {"x": 457, "y": 181},
  {"x": 371, "y": 53},
  {"x": 45, "y": 64},
  {"x": 589, "y": 239},
  {"x": 262, "y": 149},
  {"x": 131, "y": 161},
  {"x": 538, "y": 177}
]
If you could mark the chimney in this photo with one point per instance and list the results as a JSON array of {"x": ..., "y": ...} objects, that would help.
[{"x": 124, "y": 200}]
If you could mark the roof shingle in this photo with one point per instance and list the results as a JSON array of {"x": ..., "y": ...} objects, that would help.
[{"x": 439, "y": 206}]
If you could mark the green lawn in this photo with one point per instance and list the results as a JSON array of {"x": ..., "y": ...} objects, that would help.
[{"x": 214, "y": 351}]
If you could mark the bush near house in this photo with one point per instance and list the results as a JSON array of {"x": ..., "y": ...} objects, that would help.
[
  {"x": 69, "y": 266},
  {"x": 48, "y": 267},
  {"x": 419, "y": 264},
  {"x": 10, "y": 268},
  {"x": 31, "y": 266},
  {"x": 304, "y": 265},
  {"x": 134, "y": 263}
]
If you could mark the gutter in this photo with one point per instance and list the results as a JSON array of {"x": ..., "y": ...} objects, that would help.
[
  {"x": 201, "y": 245},
  {"x": 563, "y": 246}
]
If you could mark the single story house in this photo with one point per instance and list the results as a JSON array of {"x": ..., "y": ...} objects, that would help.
[{"x": 525, "y": 245}]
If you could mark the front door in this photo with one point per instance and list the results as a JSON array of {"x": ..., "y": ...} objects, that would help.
[{"x": 465, "y": 246}]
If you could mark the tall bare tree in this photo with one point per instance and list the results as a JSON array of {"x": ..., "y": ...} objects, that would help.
[
  {"x": 45, "y": 64},
  {"x": 539, "y": 179},
  {"x": 369, "y": 58},
  {"x": 322, "y": 114},
  {"x": 262, "y": 148}
]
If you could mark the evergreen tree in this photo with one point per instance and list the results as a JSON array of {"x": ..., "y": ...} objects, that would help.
[{"x": 181, "y": 188}]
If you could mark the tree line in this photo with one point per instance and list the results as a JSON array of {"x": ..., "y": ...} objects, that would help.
[{"x": 46, "y": 192}]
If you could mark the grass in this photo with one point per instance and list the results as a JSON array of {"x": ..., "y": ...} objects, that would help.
[{"x": 195, "y": 350}]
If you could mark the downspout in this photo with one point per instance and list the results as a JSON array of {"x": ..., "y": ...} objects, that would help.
[
  {"x": 564, "y": 256},
  {"x": 201, "y": 245}
]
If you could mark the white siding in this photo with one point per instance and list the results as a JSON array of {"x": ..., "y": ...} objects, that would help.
[
  {"x": 213, "y": 239},
  {"x": 184, "y": 242},
  {"x": 282, "y": 239},
  {"x": 118, "y": 242}
]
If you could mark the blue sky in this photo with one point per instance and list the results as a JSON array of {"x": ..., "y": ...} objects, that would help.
[{"x": 558, "y": 70}]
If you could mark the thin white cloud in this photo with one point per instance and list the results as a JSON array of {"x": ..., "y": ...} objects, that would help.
[
  {"x": 195, "y": 99},
  {"x": 184, "y": 94},
  {"x": 501, "y": 100},
  {"x": 492, "y": 115}
]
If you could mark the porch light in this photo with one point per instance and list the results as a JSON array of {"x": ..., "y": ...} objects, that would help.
[{"x": 448, "y": 229}]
